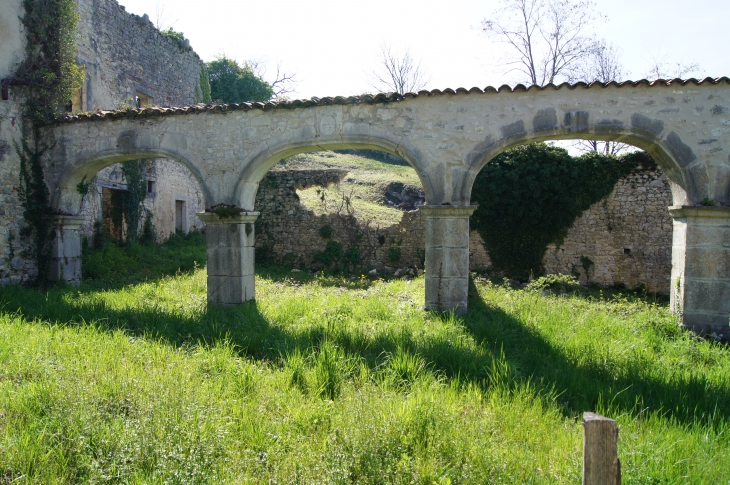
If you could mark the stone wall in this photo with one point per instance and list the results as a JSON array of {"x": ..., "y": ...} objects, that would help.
[
  {"x": 627, "y": 236},
  {"x": 125, "y": 54},
  {"x": 289, "y": 232},
  {"x": 13, "y": 267},
  {"x": 171, "y": 182}
]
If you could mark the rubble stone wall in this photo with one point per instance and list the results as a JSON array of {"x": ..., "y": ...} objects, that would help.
[
  {"x": 14, "y": 268},
  {"x": 125, "y": 54},
  {"x": 627, "y": 236},
  {"x": 288, "y": 232}
]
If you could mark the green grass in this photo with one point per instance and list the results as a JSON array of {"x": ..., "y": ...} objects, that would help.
[
  {"x": 364, "y": 184},
  {"x": 329, "y": 380}
]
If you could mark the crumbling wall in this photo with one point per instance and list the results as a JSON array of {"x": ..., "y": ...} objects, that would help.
[
  {"x": 125, "y": 54},
  {"x": 14, "y": 268},
  {"x": 625, "y": 238},
  {"x": 288, "y": 232}
]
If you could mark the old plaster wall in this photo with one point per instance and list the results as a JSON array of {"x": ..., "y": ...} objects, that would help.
[{"x": 13, "y": 267}]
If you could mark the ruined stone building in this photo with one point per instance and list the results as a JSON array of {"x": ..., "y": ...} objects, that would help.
[{"x": 127, "y": 62}]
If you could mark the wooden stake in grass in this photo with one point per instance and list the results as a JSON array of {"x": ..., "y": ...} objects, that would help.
[{"x": 601, "y": 465}]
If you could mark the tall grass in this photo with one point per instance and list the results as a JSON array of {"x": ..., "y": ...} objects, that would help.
[{"x": 327, "y": 380}]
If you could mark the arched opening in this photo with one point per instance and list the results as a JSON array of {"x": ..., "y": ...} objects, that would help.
[
  {"x": 621, "y": 230},
  {"x": 352, "y": 210},
  {"x": 165, "y": 191},
  {"x": 158, "y": 196}
]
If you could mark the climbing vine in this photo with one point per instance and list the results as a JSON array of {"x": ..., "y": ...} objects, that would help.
[
  {"x": 202, "y": 87},
  {"x": 127, "y": 207},
  {"x": 529, "y": 197},
  {"x": 50, "y": 76}
]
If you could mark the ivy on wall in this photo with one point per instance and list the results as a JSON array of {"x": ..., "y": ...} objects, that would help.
[
  {"x": 202, "y": 87},
  {"x": 52, "y": 76},
  {"x": 530, "y": 196},
  {"x": 127, "y": 207}
]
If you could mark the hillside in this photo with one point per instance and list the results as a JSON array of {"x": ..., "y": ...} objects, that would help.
[{"x": 373, "y": 187}]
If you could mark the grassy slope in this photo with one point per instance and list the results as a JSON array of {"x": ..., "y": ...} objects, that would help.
[
  {"x": 364, "y": 184},
  {"x": 325, "y": 380}
]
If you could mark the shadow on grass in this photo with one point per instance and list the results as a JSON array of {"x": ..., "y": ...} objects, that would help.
[
  {"x": 594, "y": 385},
  {"x": 499, "y": 335}
]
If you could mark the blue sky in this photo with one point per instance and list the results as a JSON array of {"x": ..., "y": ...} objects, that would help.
[{"x": 333, "y": 45}]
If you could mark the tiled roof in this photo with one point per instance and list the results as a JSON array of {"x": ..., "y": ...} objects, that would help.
[{"x": 382, "y": 98}]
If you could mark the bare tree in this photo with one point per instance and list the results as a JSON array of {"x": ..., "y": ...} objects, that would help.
[
  {"x": 662, "y": 68},
  {"x": 399, "y": 74},
  {"x": 603, "y": 66},
  {"x": 549, "y": 37},
  {"x": 283, "y": 82}
]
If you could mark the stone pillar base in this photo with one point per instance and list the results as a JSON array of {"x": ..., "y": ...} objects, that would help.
[
  {"x": 700, "y": 281},
  {"x": 230, "y": 249},
  {"x": 447, "y": 257},
  {"x": 66, "y": 250}
]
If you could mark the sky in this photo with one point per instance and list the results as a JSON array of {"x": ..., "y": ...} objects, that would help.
[{"x": 333, "y": 46}]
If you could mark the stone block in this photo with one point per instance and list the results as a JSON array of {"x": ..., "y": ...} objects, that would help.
[
  {"x": 447, "y": 262},
  {"x": 709, "y": 297},
  {"x": 230, "y": 290},
  {"x": 445, "y": 294},
  {"x": 230, "y": 235},
  {"x": 707, "y": 262},
  {"x": 228, "y": 261},
  {"x": 447, "y": 232}
]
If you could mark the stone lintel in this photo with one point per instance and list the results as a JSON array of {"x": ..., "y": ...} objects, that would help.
[
  {"x": 242, "y": 218},
  {"x": 447, "y": 211}
]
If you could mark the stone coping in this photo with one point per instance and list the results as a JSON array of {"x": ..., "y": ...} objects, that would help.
[
  {"x": 682, "y": 211},
  {"x": 447, "y": 210},
  {"x": 381, "y": 98},
  {"x": 242, "y": 218}
]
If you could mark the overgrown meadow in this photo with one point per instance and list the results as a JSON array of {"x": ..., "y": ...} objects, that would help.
[{"x": 325, "y": 379}]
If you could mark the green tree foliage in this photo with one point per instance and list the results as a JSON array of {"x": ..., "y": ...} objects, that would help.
[
  {"x": 232, "y": 83},
  {"x": 529, "y": 197}
]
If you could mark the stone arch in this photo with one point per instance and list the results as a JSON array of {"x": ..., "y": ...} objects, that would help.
[
  {"x": 683, "y": 188},
  {"x": 268, "y": 156},
  {"x": 65, "y": 195}
]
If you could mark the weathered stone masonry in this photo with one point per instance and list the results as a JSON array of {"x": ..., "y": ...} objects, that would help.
[
  {"x": 627, "y": 236},
  {"x": 126, "y": 57},
  {"x": 447, "y": 137},
  {"x": 289, "y": 232}
]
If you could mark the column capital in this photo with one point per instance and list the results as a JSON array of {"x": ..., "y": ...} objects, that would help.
[
  {"x": 447, "y": 211},
  {"x": 242, "y": 218},
  {"x": 699, "y": 212},
  {"x": 68, "y": 222}
]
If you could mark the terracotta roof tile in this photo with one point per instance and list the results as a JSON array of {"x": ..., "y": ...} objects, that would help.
[{"x": 155, "y": 111}]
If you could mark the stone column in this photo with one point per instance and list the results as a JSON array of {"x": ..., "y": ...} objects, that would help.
[
  {"x": 66, "y": 250},
  {"x": 447, "y": 257},
  {"x": 700, "y": 283},
  {"x": 230, "y": 247}
]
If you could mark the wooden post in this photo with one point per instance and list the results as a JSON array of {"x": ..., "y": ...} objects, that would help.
[{"x": 601, "y": 465}]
